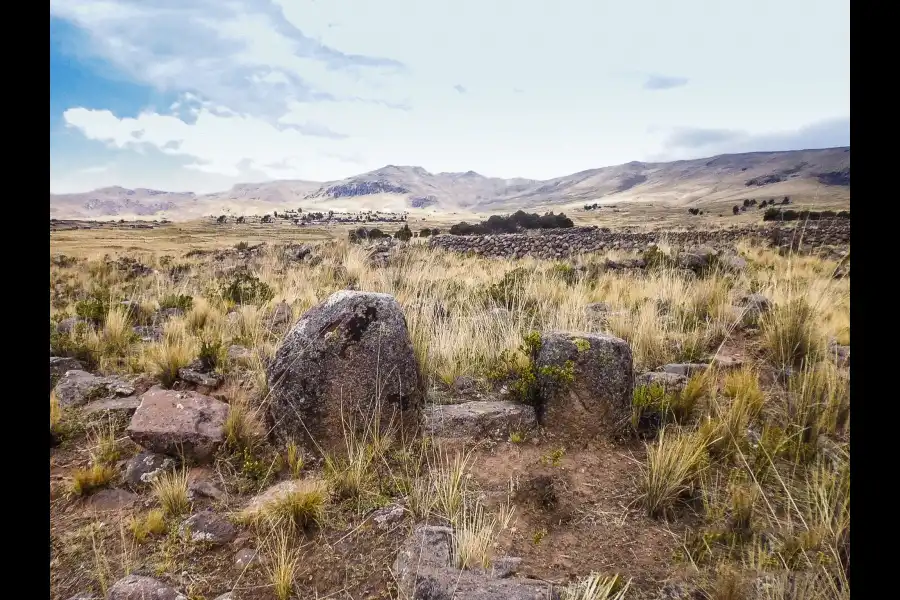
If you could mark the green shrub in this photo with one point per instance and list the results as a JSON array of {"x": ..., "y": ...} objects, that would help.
[
  {"x": 245, "y": 288},
  {"x": 95, "y": 307},
  {"x": 180, "y": 301}
]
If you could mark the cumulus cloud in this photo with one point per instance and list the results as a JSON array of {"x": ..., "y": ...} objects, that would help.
[
  {"x": 664, "y": 82},
  {"x": 692, "y": 142}
]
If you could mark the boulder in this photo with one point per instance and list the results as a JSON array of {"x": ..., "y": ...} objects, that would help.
[
  {"x": 112, "y": 406},
  {"x": 599, "y": 395},
  {"x": 179, "y": 423},
  {"x": 198, "y": 377},
  {"x": 350, "y": 355},
  {"x": 478, "y": 419},
  {"x": 138, "y": 587},
  {"x": 59, "y": 365},
  {"x": 424, "y": 571},
  {"x": 752, "y": 307},
  {"x": 281, "y": 316}
]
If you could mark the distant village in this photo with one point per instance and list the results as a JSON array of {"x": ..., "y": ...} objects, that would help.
[{"x": 301, "y": 219}]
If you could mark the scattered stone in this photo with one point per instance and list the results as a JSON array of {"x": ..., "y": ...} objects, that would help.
[
  {"x": 478, "y": 419},
  {"x": 727, "y": 362},
  {"x": 138, "y": 587},
  {"x": 600, "y": 395},
  {"x": 684, "y": 369},
  {"x": 463, "y": 384},
  {"x": 173, "y": 423},
  {"x": 198, "y": 378},
  {"x": 75, "y": 388},
  {"x": 59, "y": 365},
  {"x": 124, "y": 407},
  {"x": 281, "y": 316},
  {"x": 239, "y": 354},
  {"x": 277, "y": 491},
  {"x": 424, "y": 572},
  {"x": 142, "y": 469},
  {"x": 505, "y": 566},
  {"x": 225, "y": 596},
  {"x": 67, "y": 326},
  {"x": 111, "y": 500},
  {"x": 148, "y": 333},
  {"x": 388, "y": 515},
  {"x": 170, "y": 313},
  {"x": 672, "y": 383},
  {"x": 208, "y": 527},
  {"x": 201, "y": 482},
  {"x": 597, "y": 311},
  {"x": 841, "y": 354},
  {"x": 753, "y": 307},
  {"x": 246, "y": 558},
  {"x": 336, "y": 359}
]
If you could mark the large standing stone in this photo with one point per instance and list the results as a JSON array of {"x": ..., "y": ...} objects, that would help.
[
  {"x": 346, "y": 356},
  {"x": 599, "y": 395},
  {"x": 137, "y": 587},
  {"x": 179, "y": 423}
]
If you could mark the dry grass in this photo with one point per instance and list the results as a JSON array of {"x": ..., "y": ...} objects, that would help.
[
  {"x": 283, "y": 560},
  {"x": 56, "y": 412},
  {"x": 86, "y": 481},
  {"x": 673, "y": 463},
  {"x": 175, "y": 351},
  {"x": 153, "y": 523},
  {"x": 475, "y": 534},
  {"x": 597, "y": 587},
  {"x": 171, "y": 491},
  {"x": 297, "y": 509}
]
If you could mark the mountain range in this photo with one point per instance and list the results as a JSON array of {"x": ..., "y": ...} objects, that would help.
[{"x": 697, "y": 182}]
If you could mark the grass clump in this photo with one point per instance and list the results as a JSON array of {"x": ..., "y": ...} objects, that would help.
[
  {"x": 673, "y": 463},
  {"x": 87, "y": 481},
  {"x": 181, "y": 302},
  {"x": 281, "y": 565},
  {"x": 246, "y": 288},
  {"x": 151, "y": 524},
  {"x": 790, "y": 332},
  {"x": 596, "y": 587},
  {"x": 171, "y": 491},
  {"x": 475, "y": 534},
  {"x": 296, "y": 508},
  {"x": 175, "y": 351}
]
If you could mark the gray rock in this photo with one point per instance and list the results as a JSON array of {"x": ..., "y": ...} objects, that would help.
[
  {"x": 208, "y": 527},
  {"x": 596, "y": 310},
  {"x": 179, "y": 423},
  {"x": 388, "y": 515},
  {"x": 59, "y": 365},
  {"x": 478, "y": 419},
  {"x": 198, "y": 378},
  {"x": 670, "y": 382},
  {"x": 225, "y": 596},
  {"x": 281, "y": 316},
  {"x": 338, "y": 356},
  {"x": 142, "y": 469},
  {"x": 124, "y": 407},
  {"x": 202, "y": 483},
  {"x": 75, "y": 388},
  {"x": 137, "y": 587},
  {"x": 246, "y": 558},
  {"x": 684, "y": 369},
  {"x": 751, "y": 309},
  {"x": 463, "y": 384},
  {"x": 240, "y": 354},
  {"x": 111, "y": 500},
  {"x": 424, "y": 572},
  {"x": 148, "y": 333},
  {"x": 505, "y": 566},
  {"x": 67, "y": 326},
  {"x": 600, "y": 396}
]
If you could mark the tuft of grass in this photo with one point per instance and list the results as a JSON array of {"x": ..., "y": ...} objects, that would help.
[
  {"x": 475, "y": 534},
  {"x": 86, "y": 481},
  {"x": 56, "y": 412},
  {"x": 281, "y": 566},
  {"x": 448, "y": 482},
  {"x": 171, "y": 491},
  {"x": 673, "y": 463},
  {"x": 296, "y": 509},
  {"x": 295, "y": 459},
  {"x": 175, "y": 351},
  {"x": 105, "y": 446},
  {"x": 242, "y": 427},
  {"x": 150, "y": 524},
  {"x": 597, "y": 587},
  {"x": 790, "y": 332}
]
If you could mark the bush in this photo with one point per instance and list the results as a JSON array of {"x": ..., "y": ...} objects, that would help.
[
  {"x": 426, "y": 232},
  {"x": 694, "y": 211},
  {"x": 180, "y": 301},
  {"x": 221, "y": 219},
  {"x": 736, "y": 209},
  {"x": 95, "y": 307},
  {"x": 245, "y": 288},
  {"x": 403, "y": 234},
  {"x": 512, "y": 223},
  {"x": 778, "y": 214}
]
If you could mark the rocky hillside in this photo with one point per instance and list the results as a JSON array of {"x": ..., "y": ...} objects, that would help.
[{"x": 688, "y": 182}]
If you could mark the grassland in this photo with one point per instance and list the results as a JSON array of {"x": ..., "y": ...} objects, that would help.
[{"x": 741, "y": 492}]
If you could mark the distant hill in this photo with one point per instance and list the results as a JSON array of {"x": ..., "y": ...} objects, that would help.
[{"x": 679, "y": 183}]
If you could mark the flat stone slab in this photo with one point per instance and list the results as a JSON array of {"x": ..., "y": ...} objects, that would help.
[
  {"x": 179, "y": 423},
  {"x": 125, "y": 406},
  {"x": 489, "y": 418},
  {"x": 684, "y": 369}
]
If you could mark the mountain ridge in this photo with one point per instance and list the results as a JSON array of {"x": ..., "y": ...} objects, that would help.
[{"x": 399, "y": 187}]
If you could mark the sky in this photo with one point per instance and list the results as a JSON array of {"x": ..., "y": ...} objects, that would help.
[{"x": 197, "y": 95}]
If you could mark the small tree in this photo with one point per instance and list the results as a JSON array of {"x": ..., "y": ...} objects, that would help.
[
  {"x": 425, "y": 232},
  {"x": 736, "y": 209},
  {"x": 221, "y": 219},
  {"x": 787, "y": 200}
]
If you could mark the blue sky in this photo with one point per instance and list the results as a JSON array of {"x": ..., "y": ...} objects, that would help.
[{"x": 200, "y": 94}]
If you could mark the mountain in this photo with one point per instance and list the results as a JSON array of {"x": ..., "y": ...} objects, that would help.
[{"x": 798, "y": 173}]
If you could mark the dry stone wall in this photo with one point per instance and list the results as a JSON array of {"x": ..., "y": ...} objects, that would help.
[{"x": 559, "y": 243}]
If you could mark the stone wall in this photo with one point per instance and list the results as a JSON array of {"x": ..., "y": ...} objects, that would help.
[{"x": 559, "y": 243}]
